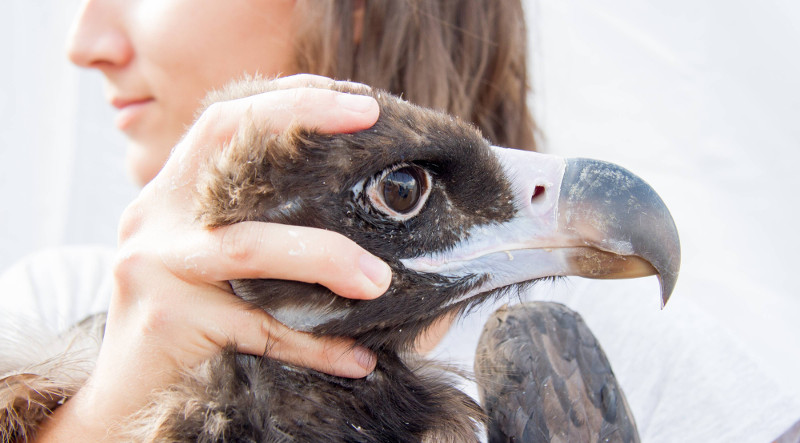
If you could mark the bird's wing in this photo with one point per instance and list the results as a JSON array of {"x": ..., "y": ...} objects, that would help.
[{"x": 542, "y": 376}]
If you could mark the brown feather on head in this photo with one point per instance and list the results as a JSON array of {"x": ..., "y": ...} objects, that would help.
[{"x": 301, "y": 177}]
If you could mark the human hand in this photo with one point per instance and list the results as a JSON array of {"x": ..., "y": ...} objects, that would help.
[{"x": 172, "y": 306}]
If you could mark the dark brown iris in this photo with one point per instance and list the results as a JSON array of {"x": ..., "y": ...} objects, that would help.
[{"x": 402, "y": 188}]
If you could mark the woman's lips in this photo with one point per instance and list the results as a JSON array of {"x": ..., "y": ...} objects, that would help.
[{"x": 129, "y": 111}]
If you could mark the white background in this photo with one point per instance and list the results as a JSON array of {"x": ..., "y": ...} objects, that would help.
[
  {"x": 700, "y": 98},
  {"x": 62, "y": 179}
]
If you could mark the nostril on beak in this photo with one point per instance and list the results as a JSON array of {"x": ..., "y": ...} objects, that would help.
[{"x": 538, "y": 193}]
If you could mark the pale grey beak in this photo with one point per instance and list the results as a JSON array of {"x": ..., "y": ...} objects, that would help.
[{"x": 625, "y": 224}]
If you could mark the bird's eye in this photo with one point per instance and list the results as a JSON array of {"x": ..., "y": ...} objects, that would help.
[
  {"x": 402, "y": 188},
  {"x": 401, "y": 191}
]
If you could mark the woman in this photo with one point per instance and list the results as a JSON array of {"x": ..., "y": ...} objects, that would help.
[{"x": 170, "y": 305}]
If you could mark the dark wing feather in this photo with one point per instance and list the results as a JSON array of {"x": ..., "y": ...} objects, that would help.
[{"x": 542, "y": 376}]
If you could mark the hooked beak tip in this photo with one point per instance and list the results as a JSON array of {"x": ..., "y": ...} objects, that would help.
[{"x": 611, "y": 209}]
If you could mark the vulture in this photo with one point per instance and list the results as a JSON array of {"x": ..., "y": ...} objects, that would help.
[{"x": 460, "y": 222}]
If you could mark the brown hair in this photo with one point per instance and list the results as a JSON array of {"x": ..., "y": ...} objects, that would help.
[{"x": 465, "y": 57}]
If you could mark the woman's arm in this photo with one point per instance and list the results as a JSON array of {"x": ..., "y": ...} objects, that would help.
[{"x": 172, "y": 306}]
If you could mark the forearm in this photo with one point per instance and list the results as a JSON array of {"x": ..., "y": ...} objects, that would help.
[
  {"x": 77, "y": 420},
  {"x": 100, "y": 410},
  {"x": 128, "y": 369}
]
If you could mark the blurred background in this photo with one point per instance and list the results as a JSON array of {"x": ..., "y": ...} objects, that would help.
[
  {"x": 700, "y": 98},
  {"x": 63, "y": 179}
]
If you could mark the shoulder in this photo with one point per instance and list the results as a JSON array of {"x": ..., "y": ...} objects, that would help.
[{"x": 56, "y": 288}]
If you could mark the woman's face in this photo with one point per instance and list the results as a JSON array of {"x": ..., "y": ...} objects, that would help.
[{"x": 160, "y": 57}]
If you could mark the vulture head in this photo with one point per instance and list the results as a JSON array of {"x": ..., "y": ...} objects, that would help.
[{"x": 458, "y": 220}]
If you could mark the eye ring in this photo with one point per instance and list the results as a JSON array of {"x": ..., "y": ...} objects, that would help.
[{"x": 400, "y": 191}]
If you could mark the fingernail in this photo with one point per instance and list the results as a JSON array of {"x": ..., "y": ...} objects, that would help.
[
  {"x": 375, "y": 269},
  {"x": 365, "y": 358},
  {"x": 355, "y": 102}
]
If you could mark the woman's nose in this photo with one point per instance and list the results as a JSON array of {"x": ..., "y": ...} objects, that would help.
[{"x": 98, "y": 38}]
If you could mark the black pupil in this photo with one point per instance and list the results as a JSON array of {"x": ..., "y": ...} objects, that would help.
[{"x": 402, "y": 188}]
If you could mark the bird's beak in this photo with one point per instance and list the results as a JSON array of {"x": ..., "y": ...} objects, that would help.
[{"x": 573, "y": 217}]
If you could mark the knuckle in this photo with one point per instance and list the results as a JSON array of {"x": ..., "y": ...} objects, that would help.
[
  {"x": 337, "y": 265},
  {"x": 300, "y": 97},
  {"x": 271, "y": 333},
  {"x": 156, "y": 318},
  {"x": 132, "y": 268},
  {"x": 343, "y": 254},
  {"x": 131, "y": 220},
  {"x": 211, "y": 114},
  {"x": 207, "y": 126},
  {"x": 237, "y": 243},
  {"x": 326, "y": 258},
  {"x": 310, "y": 100},
  {"x": 128, "y": 263},
  {"x": 344, "y": 242}
]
